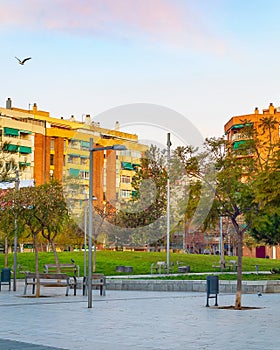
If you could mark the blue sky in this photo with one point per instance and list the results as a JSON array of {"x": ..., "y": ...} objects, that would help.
[{"x": 206, "y": 59}]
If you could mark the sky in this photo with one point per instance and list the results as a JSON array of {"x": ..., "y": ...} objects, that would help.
[{"x": 207, "y": 60}]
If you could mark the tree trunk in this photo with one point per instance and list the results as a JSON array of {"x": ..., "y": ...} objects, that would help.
[
  {"x": 6, "y": 252},
  {"x": 55, "y": 255},
  {"x": 239, "y": 272},
  {"x": 37, "y": 266},
  {"x": 94, "y": 256}
]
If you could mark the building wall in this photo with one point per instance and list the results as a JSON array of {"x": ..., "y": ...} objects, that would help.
[
  {"x": 39, "y": 159},
  {"x": 271, "y": 252},
  {"x": 234, "y": 130},
  {"x": 54, "y": 156},
  {"x": 58, "y": 158},
  {"x": 111, "y": 183},
  {"x": 235, "y": 126}
]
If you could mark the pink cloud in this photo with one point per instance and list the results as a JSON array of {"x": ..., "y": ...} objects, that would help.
[{"x": 157, "y": 20}]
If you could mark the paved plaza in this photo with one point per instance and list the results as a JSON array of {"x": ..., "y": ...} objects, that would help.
[{"x": 135, "y": 320}]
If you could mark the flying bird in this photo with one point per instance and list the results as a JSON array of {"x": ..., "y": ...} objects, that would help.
[{"x": 23, "y": 61}]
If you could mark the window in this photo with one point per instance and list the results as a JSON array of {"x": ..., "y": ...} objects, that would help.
[
  {"x": 125, "y": 194},
  {"x": 84, "y": 160},
  {"x": 52, "y": 145},
  {"x": 25, "y": 134},
  {"x": 73, "y": 143},
  {"x": 74, "y": 158},
  {"x": 84, "y": 174},
  {"x": 52, "y": 159},
  {"x": 125, "y": 179},
  {"x": 85, "y": 145},
  {"x": 11, "y": 132},
  {"x": 74, "y": 172}
]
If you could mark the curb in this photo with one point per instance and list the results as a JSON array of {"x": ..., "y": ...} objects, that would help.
[{"x": 248, "y": 287}]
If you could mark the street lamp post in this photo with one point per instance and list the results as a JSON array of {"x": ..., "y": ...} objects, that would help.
[
  {"x": 168, "y": 206},
  {"x": 85, "y": 240},
  {"x": 90, "y": 221},
  {"x": 15, "y": 240}
]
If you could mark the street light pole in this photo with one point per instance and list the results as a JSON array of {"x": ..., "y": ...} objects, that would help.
[
  {"x": 15, "y": 239},
  {"x": 168, "y": 206},
  {"x": 90, "y": 220},
  {"x": 85, "y": 239},
  {"x": 90, "y": 225}
]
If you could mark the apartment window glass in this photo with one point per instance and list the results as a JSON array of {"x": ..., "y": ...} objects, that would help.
[
  {"x": 125, "y": 194},
  {"x": 52, "y": 144},
  {"x": 52, "y": 159},
  {"x": 125, "y": 179}
]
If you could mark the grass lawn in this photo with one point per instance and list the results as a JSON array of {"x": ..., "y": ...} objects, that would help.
[{"x": 141, "y": 262}]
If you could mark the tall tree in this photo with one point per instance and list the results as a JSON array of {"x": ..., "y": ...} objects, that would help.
[
  {"x": 148, "y": 204},
  {"x": 55, "y": 213},
  {"x": 234, "y": 185}
]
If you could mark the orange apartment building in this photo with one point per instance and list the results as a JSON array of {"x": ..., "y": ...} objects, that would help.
[
  {"x": 52, "y": 148},
  {"x": 233, "y": 130}
]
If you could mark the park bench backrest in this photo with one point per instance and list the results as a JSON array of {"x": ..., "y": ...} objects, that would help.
[
  {"x": 48, "y": 275},
  {"x": 64, "y": 268}
]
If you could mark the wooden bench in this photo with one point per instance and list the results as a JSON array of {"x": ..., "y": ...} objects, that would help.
[
  {"x": 98, "y": 281},
  {"x": 230, "y": 265},
  {"x": 49, "y": 280},
  {"x": 69, "y": 269},
  {"x": 159, "y": 267}
]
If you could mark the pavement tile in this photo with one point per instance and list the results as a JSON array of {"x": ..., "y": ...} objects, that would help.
[{"x": 136, "y": 320}]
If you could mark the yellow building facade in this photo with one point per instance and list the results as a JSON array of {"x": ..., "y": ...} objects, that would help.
[
  {"x": 47, "y": 148},
  {"x": 234, "y": 128},
  {"x": 234, "y": 131}
]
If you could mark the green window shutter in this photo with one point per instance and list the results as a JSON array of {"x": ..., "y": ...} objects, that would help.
[
  {"x": 10, "y": 131},
  {"x": 240, "y": 126},
  {"x": 25, "y": 132},
  {"x": 25, "y": 149},
  {"x": 127, "y": 166},
  {"x": 74, "y": 172},
  {"x": 241, "y": 143},
  {"x": 85, "y": 144},
  {"x": 11, "y": 148},
  {"x": 23, "y": 164}
]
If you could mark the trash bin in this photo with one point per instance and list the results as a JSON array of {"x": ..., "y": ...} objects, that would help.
[
  {"x": 184, "y": 269},
  {"x": 128, "y": 269},
  {"x": 212, "y": 286},
  {"x": 5, "y": 277},
  {"x": 119, "y": 268}
]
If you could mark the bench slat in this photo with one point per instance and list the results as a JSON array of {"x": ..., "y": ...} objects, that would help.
[
  {"x": 98, "y": 280},
  {"x": 50, "y": 280}
]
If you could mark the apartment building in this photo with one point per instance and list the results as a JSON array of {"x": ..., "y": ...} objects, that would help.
[
  {"x": 234, "y": 131},
  {"x": 234, "y": 128},
  {"x": 47, "y": 148}
]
